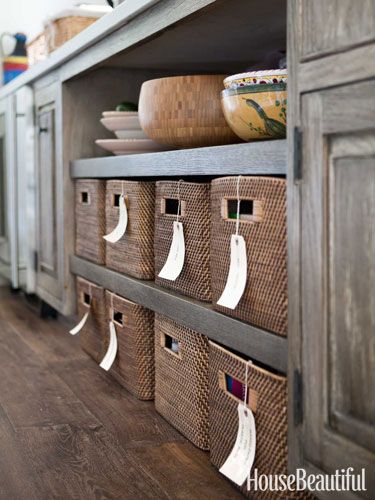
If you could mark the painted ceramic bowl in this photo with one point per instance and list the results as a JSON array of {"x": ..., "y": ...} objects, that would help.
[
  {"x": 256, "y": 111},
  {"x": 256, "y": 78},
  {"x": 184, "y": 111}
]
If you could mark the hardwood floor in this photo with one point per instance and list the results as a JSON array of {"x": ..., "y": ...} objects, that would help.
[{"x": 69, "y": 431}]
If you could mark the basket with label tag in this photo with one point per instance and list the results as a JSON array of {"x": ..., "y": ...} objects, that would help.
[
  {"x": 181, "y": 379},
  {"x": 249, "y": 250},
  {"x": 92, "y": 313},
  {"x": 265, "y": 393},
  {"x": 130, "y": 215},
  {"x": 90, "y": 219},
  {"x": 134, "y": 365},
  {"x": 182, "y": 238}
]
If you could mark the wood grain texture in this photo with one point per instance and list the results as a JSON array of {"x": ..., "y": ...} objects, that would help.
[
  {"x": 263, "y": 157},
  {"x": 261, "y": 345},
  {"x": 338, "y": 318},
  {"x": 184, "y": 111},
  {"x": 68, "y": 430},
  {"x": 332, "y": 25},
  {"x": 337, "y": 69}
]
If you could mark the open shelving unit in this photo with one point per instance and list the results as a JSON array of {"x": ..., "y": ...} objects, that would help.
[
  {"x": 158, "y": 44},
  {"x": 256, "y": 158},
  {"x": 260, "y": 345}
]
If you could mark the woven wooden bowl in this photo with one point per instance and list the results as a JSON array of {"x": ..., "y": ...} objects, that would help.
[{"x": 184, "y": 111}]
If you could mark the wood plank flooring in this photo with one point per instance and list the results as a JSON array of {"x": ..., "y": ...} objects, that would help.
[{"x": 69, "y": 431}]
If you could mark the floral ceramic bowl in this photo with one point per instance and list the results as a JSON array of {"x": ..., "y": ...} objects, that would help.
[
  {"x": 256, "y": 78},
  {"x": 256, "y": 111}
]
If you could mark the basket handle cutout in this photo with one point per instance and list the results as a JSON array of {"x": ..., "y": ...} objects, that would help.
[
  {"x": 118, "y": 317},
  {"x": 236, "y": 389},
  {"x": 86, "y": 299},
  {"x": 250, "y": 210},
  {"x": 116, "y": 199},
  {"x": 171, "y": 345},
  {"x": 170, "y": 206},
  {"x": 85, "y": 198}
]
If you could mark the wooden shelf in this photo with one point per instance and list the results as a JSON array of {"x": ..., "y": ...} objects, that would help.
[
  {"x": 257, "y": 158},
  {"x": 259, "y": 345}
]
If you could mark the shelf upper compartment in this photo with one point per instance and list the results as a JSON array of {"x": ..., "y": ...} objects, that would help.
[
  {"x": 258, "y": 344},
  {"x": 255, "y": 158}
]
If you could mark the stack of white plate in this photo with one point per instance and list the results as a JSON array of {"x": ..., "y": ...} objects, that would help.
[{"x": 130, "y": 137}]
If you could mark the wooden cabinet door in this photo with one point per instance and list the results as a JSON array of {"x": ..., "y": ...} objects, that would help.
[
  {"x": 49, "y": 278},
  {"x": 338, "y": 280},
  {"x": 331, "y": 25}
]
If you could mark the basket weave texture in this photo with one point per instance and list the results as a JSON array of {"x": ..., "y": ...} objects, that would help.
[
  {"x": 92, "y": 336},
  {"x": 134, "y": 366},
  {"x": 133, "y": 254},
  {"x": 195, "y": 278},
  {"x": 268, "y": 392},
  {"x": 54, "y": 35},
  {"x": 90, "y": 220},
  {"x": 264, "y": 302},
  {"x": 63, "y": 29},
  {"x": 181, "y": 380}
]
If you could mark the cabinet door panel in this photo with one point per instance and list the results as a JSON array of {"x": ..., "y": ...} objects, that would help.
[
  {"x": 331, "y": 25},
  {"x": 49, "y": 275},
  {"x": 338, "y": 281},
  {"x": 47, "y": 189}
]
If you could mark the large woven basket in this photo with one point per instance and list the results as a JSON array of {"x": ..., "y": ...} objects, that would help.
[
  {"x": 90, "y": 219},
  {"x": 267, "y": 398},
  {"x": 134, "y": 366},
  {"x": 63, "y": 29},
  {"x": 181, "y": 379},
  {"x": 195, "y": 278},
  {"x": 133, "y": 254},
  {"x": 91, "y": 298},
  {"x": 55, "y": 34},
  {"x": 264, "y": 302}
]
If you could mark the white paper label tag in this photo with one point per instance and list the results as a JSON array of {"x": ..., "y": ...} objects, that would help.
[
  {"x": 80, "y": 325},
  {"x": 120, "y": 229},
  {"x": 237, "y": 276},
  {"x": 240, "y": 461},
  {"x": 112, "y": 348},
  {"x": 176, "y": 257}
]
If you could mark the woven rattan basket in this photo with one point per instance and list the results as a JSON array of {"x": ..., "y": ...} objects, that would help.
[
  {"x": 63, "y": 29},
  {"x": 91, "y": 298},
  {"x": 134, "y": 366},
  {"x": 195, "y": 279},
  {"x": 264, "y": 302},
  {"x": 55, "y": 34},
  {"x": 181, "y": 379},
  {"x": 267, "y": 399},
  {"x": 90, "y": 219},
  {"x": 133, "y": 254}
]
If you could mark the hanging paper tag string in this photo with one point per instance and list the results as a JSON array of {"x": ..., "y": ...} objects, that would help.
[
  {"x": 82, "y": 322},
  {"x": 238, "y": 465},
  {"x": 176, "y": 257},
  {"x": 237, "y": 275},
  {"x": 112, "y": 347},
  {"x": 238, "y": 205},
  {"x": 122, "y": 224}
]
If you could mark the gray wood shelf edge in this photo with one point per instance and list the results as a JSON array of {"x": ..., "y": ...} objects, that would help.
[
  {"x": 258, "y": 344},
  {"x": 262, "y": 157}
]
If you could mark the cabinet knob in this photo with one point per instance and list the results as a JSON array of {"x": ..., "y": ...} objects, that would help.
[{"x": 43, "y": 130}]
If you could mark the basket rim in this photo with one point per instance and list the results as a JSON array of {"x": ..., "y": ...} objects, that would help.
[
  {"x": 263, "y": 371},
  {"x": 255, "y": 89}
]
